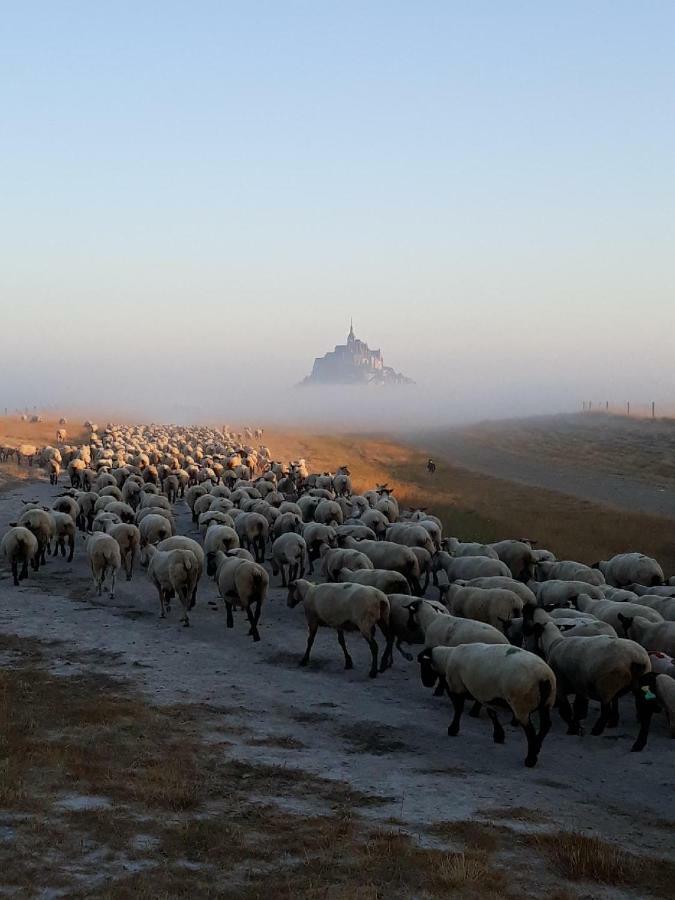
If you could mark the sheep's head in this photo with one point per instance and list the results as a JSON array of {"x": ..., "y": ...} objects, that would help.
[{"x": 293, "y": 595}]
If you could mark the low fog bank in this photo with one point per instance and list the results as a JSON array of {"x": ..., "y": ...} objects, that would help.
[{"x": 398, "y": 409}]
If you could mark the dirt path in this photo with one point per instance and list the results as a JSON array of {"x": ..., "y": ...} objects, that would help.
[
  {"x": 598, "y": 487},
  {"x": 386, "y": 737}
]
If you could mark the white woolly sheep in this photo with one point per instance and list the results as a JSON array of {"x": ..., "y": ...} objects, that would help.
[
  {"x": 631, "y": 568},
  {"x": 388, "y": 555},
  {"x": 289, "y": 550},
  {"x": 459, "y": 548},
  {"x": 519, "y": 557},
  {"x": 174, "y": 573},
  {"x": 665, "y": 691},
  {"x": 494, "y": 675},
  {"x": 650, "y": 635},
  {"x": 383, "y": 579},
  {"x": 609, "y": 611},
  {"x": 245, "y": 583},
  {"x": 340, "y": 606},
  {"x": 104, "y": 559},
  {"x": 334, "y": 559},
  {"x": 569, "y": 570},
  {"x": 496, "y": 606},
  {"x": 19, "y": 545},
  {"x": 129, "y": 538}
]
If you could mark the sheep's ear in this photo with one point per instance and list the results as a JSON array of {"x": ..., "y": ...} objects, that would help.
[
  {"x": 626, "y": 621},
  {"x": 424, "y": 654},
  {"x": 596, "y": 565}
]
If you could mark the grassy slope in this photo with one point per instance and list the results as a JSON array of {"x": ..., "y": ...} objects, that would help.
[{"x": 477, "y": 507}]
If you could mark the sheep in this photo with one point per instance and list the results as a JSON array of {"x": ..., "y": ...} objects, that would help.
[
  {"x": 241, "y": 581},
  {"x": 19, "y": 545},
  {"x": 41, "y": 523},
  {"x": 342, "y": 482},
  {"x": 328, "y": 512},
  {"x": 286, "y": 523},
  {"x": 174, "y": 573},
  {"x": 317, "y": 536},
  {"x": 344, "y": 607},
  {"x": 495, "y": 676},
  {"x": 129, "y": 538},
  {"x": 510, "y": 584},
  {"x": 334, "y": 559},
  {"x": 459, "y": 548},
  {"x": 383, "y": 579},
  {"x": 153, "y": 529},
  {"x": 104, "y": 521},
  {"x": 104, "y": 558},
  {"x": 496, "y": 606},
  {"x": 552, "y": 594},
  {"x": 410, "y": 535},
  {"x": 53, "y": 470},
  {"x": 609, "y": 611},
  {"x": 440, "y": 628},
  {"x": 656, "y": 591},
  {"x": 220, "y": 537},
  {"x": 253, "y": 532},
  {"x": 467, "y": 568},
  {"x": 213, "y": 517},
  {"x": 143, "y": 514},
  {"x": 630, "y": 568},
  {"x": 664, "y": 606},
  {"x": 402, "y": 627},
  {"x": 650, "y": 635},
  {"x": 64, "y": 532},
  {"x": 86, "y": 502},
  {"x": 569, "y": 570},
  {"x": 123, "y": 510},
  {"x": 67, "y": 504},
  {"x": 665, "y": 692},
  {"x": 519, "y": 557},
  {"x": 388, "y": 555},
  {"x": 599, "y": 668},
  {"x": 375, "y": 520},
  {"x": 289, "y": 549},
  {"x": 356, "y": 531}
]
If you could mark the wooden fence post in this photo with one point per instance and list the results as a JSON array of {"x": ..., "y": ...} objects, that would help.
[{"x": 628, "y": 408}]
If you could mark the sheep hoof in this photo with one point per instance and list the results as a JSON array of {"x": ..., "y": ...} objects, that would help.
[{"x": 531, "y": 762}]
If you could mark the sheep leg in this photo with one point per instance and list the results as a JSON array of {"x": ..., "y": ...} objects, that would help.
[
  {"x": 498, "y": 735},
  {"x": 230, "y": 619},
  {"x": 566, "y": 715},
  {"x": 475, "y": 709},
  {"x": 441, "y": 687},
  {"x": 403, "y": 652},
  {"x": 601, "y": 724},
  {"x": 434, "y": 576},
  {"x": 341, "y": 640},
  {"x": 544, "y": 724},
  {"x": 458, "y": 706},
  {"x": 112, "y": 585},
  {"x": 252, "y": 620},
  {"x": 374, "y": 650},
  {"x": 162, "y": 611},
  {"x": 283, "y": 575},
  {"x": 645, "y": 709},
  {"x": 15, "y": 572},
  {"x": 614, "y": 715},
  {"x": 313, "y": 628},
  {"x": 388, "y": 655},
  {"x": 24, "y": 570},
  {"x": 532, "y": 745},
  {"x": 35, "y": 561}
]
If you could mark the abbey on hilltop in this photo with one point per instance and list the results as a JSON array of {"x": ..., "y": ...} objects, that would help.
[{"x": 353, "y": 363}]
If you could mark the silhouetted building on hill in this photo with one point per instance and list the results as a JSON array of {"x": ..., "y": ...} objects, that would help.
[{"x": 353, "y": 363}]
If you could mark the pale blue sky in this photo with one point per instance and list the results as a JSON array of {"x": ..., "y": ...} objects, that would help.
[{"x": 488, "y": 187}]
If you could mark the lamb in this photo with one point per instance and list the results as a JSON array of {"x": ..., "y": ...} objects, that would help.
[
  {"x": 174, "y": 573},
  {"x": 129, "y": 539},
  {"x": 19, "y": 545},
  {"x": 519, "y": 557},
  {"x": 383, "y": 579},
  {"x": 334, "y": 559},
  {"x": 650, "y": 635},
  {"x": 495, "y": 606},
  {"x": 609, "y": 611},
  {"x": 104, "y": 558},
  {"x": 388, "y": 555},
  {"x": 289, "y": 549},
  {"x": 569, "y": 570},
  {"x": 599, "y": 668},
  {"x": 244, "y": 582},
  {"x": 495, "y": 675},
  {"x": 344, "y": 607},
  {"x": 631, "y": 568}
]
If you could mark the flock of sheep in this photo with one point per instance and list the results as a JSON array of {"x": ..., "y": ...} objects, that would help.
[{"x": 513, "y": 628}]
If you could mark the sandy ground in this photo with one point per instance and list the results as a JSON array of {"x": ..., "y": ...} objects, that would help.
[
  {"x": 610, "y": 489},
  {"x": 387, "y": 736}
]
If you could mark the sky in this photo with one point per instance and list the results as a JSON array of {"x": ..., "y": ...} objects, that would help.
[{"x": 196, "y": 196}]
